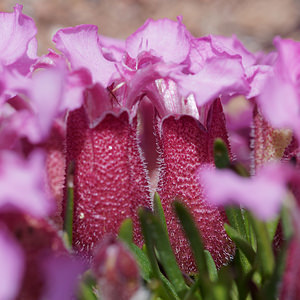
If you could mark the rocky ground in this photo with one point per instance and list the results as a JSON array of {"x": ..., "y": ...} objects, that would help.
[{"x": 255, "y": 22}]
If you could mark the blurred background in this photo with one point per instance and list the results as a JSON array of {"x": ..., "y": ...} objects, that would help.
[{"x": 255, "y": 22}]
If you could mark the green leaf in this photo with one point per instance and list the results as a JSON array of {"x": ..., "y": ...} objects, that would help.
[
  {"x": 221, "y": 156},
  {"x": 142, "y": 261},
  {"x": 86, "y": 287},
  {"x": 286, "y": 221},
  {"x": 272, "y": 227},
  {"x": 126, "y": 231},
  {"x": 241, "y": 243},
  {"x": 158, "y": 211},
  {"x": 271, "y": 290},
  {"x": 193, "y": 235},
  {"x": 149, "y": 242},
  {"x": 155, "y": 235},
  {"x": 236, "y": 219},
  {"x": 265, "y": 256},
  {"x": 68, "y": 222},
  {"x": 211, "y": 266},
  {"x": 86, "y": 292}
]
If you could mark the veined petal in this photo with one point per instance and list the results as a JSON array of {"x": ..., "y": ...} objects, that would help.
[
  {"x": 220, "y": 76},
  {"x": 81, "y": 46},
  {"x": 17, "y": 30},
  {"x": 166, "y": 39}
]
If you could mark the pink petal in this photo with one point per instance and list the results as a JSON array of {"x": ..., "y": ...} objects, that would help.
[
  {"x": 112, "y": 49},
  {"x": 81, "y": 46},
  {"x": 22, "y": 184},
  {"x": 62, "y": 277},
  {"x": 263, "y": 194},
  {"x": 279, "y": 100},
  {"x": 164, "y": 38},
  {"x": 12, "y": 265},
  {"x": 17, "y": 30},
  {"x": 220, "y": 76}
]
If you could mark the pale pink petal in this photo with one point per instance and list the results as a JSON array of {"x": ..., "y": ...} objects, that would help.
[
  {"x": 17, "y": 30},
  {"x": 163, "y": 38},
  {"x": 220, "y": 76},
  {"x": 12, "y": 265},
  {"x": 279, "y": 103},
  {"x": 81, "y": 46},
  {"x": 22, "y": 184},
  {"x": 233, "y": 46},
  {"x": 263, "y": 194},
  {"x": 112, "y": 49}
]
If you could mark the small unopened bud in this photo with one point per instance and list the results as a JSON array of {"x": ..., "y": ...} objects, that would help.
[{"x": 116, "y": 270}]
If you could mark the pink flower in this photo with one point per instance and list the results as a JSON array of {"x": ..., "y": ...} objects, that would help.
[
  {"x": 18, "y": 48},
  {"x": 110, "y": 180},
  {"x": 279, "y": 100},
  {"x": 263, "y": 194}
]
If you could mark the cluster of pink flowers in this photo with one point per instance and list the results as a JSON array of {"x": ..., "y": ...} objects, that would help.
[{"x": 133, "y": 117}]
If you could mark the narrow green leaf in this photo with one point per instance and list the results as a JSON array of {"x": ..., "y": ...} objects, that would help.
[
  {"x": 236, "y": 219},
  {"x": 87, "y": 286},
  {"x": 169, "y": 287},
  {"x": 142, "y": 261},
  {"x": 126, "y": 231},
  {"x": 158, "y": 211},
  {"x": 193, "y": 235},
  {"x": 211, "y": 266},
  {"x": 272, "y": 227},
  {"x": 155, "y": 234},
  {"x": 192, "y": 292},
  {"x": 86, "y": 292},
  {"x": 149, "y": 242},
  {"x": 271, "y": 289},
  {"x": 221, "y": 156},
  {"x": 286, "y": 221},
  {"x": 241, "y": 243},
  {"x": 265, "y": 256},
  {"x": 68, "y": 222}
]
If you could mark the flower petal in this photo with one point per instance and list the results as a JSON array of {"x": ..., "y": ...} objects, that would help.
[
  {"x": 164, "y": 38},
  {"x": 81, "y": 46},
  {"x": 22, "y": 184},
  {"x": 12, "y": 265},
  {"x": 262, "y": 194},
  {"x": 17, "y": 30}
]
